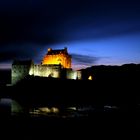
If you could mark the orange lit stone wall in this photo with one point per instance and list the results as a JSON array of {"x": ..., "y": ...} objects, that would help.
[{"x": 63, "y": 59}]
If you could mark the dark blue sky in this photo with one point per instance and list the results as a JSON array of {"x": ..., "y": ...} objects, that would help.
[{"x": 95, "y": 31}]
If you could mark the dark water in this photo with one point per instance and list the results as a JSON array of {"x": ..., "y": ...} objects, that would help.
[{"x": 95, "y": 125}]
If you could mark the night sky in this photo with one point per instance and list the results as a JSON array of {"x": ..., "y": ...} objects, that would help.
[{"x": 96, "y": 32}]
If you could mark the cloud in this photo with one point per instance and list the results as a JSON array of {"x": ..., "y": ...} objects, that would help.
[
  {"x": 50, "y": 22},
  {"x": 84, "y": 59},
  {"x": 12, "y": 52},
  {"x": 5, "y": 66}
]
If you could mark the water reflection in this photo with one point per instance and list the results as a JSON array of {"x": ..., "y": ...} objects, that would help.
[
  {"x": 13, "y": 108},
  {"x": 71, "y": 111}
]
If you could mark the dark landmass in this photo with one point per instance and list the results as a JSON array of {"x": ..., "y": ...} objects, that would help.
[
  {"x": 103, "y": 73},
  {"x": 111, "y": 86}
]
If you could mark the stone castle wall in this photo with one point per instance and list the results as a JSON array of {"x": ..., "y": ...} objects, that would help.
[
  {"x": 19, "y": 72},
  {"x": 46, "y": 71},
  {"x": 73, "y": 74},
  {"x": 55, "y": 71}
]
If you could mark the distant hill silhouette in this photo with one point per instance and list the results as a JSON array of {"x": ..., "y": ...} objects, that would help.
[{"x": 107, "y": 73}]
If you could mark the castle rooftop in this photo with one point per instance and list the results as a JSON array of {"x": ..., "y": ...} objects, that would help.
[{"x": 59, "y": 51}]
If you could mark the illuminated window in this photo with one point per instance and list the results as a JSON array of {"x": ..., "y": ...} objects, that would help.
[{"x": 90, "y": 77}]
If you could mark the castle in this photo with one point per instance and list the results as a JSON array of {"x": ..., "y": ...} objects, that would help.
[{"x": 56, "y": 64}]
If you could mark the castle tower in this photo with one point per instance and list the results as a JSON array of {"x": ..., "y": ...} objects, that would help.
[
  {"x": 20, "y": 69},
  {"x": 57, "y": 57}
]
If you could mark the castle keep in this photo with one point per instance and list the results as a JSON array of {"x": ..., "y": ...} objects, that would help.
[
  {"x": 56, "y": 64},
  {"x": 57, "y": 57}
]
